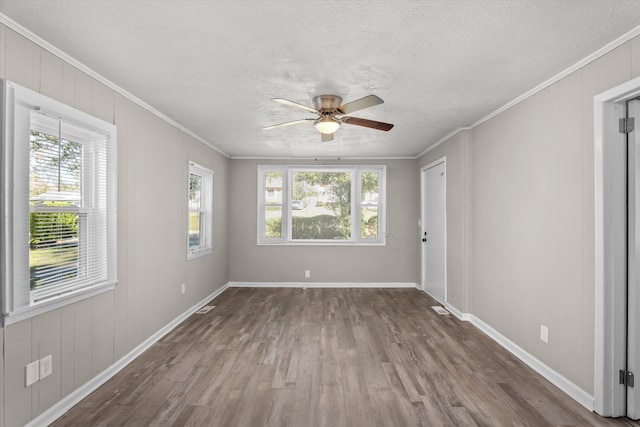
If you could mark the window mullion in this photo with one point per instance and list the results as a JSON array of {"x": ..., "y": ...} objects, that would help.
[
  {"x": 286, "y": 204},
  {"x": 355, "y": 206}
]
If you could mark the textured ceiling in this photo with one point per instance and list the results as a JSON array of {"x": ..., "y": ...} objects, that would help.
[{"x": 213, "y": 66}]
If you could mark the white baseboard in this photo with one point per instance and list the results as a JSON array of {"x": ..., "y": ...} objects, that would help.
[
  {"x": 60, "y": 408},
  {"x": 465, "y": 317},
  {"x": 322, "y": 285},
  {"x": 568, "y": 387}
]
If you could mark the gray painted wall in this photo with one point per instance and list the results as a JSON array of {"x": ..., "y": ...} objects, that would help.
[
  {"x": 87, "y": 337},
  {"x": 531, "y": 222},
  {"x": 395, "y": 262}
]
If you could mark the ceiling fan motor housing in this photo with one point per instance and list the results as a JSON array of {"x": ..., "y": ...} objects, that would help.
[{"x": 327, "y": 103}]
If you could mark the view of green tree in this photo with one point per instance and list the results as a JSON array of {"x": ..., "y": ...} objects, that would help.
[
  {"x": 48, "y": 227},
  {"x": 369, "y": 227},
  {"x": 56, "y": 164},
  {"x": 338, "y": 187},
  {"x": 370, "y": 182},
  {"x": 54, "y": 191},
  {"x": 317, "y": 227},
  {"x": 369, "y": 208},
  {"x": 273, "y": 228},
  {"x": 195, "y": 187}
]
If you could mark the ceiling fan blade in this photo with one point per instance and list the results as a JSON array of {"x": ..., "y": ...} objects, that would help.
[
  {"x": 367, "y": 123},
  {"x": 359, "y": 104},
  {"x": 326, "y": 137},
  {"x": 279, "y": 125},
  {"x": 294, "y": 104}
]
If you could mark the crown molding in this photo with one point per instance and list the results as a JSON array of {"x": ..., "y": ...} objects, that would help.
[
  {"x": 10, "y": 23},
  {"x": 442, "y": 140},
  {"x": 59, "y": 53},
  {"x": 320, "y": 158},
  {"x": 575, "y": 67}
]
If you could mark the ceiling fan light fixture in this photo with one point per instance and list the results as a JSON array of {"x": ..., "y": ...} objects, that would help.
[{"x": 326, "y": 125}]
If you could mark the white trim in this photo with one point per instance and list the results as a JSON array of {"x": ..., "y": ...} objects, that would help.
[
  {"x": 322, "y": 243},
  {"x": 423, "y": 215},
  {"x": 20, "y": 104},
  {"x": 610, "y": 241},
  {"x": 568, "y": 387},
  {"x": 333, "y": 285},
  {"x": 442, "y": 140},
  {"x": 60, "y": 408},
  {"x": 561, "y": 75},
  {"x": 575, "y": 67},
  {"x": 55, "y": 303},
  {"x": 434, "y": 163},
  {"x": 465, "y": 317},
  {"x": 4, "y": 19},
  {"x": 294, "y": 158}
]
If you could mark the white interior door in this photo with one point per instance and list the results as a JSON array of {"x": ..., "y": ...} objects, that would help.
[
  {"x": 433, "y": 231},
  {"x": 633, "y": 268}
]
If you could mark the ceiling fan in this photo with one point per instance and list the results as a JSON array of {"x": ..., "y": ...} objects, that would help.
[{"x": 331, "y": 115}]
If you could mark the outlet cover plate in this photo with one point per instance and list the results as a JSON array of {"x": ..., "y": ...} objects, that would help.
[
  {"x": 544, "y": 334},
  {"x": 32, "y": 373},
  {"x": 46, "y": 366}
]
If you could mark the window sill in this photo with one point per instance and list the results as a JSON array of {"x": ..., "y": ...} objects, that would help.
[
  {"x": 198, "y": 254},
  {"x": 324, "y": 243},
  {"x": 55, "y": 303}
]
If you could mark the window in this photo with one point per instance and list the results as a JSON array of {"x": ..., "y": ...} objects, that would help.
[
  {"x": 321, "y": 205},
  {"x": 59, "y": 231},
  {"x": 199, "y": 218}
]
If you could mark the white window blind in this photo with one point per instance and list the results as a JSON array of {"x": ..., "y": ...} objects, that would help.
[
  {"x": 58, "y": 202},
  {"x": 199, "y": 211},
  {"x": 67, "y": 202}
]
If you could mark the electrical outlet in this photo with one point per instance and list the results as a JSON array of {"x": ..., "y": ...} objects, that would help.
[
  {"x": 544, "y": 334},
  {"x": 307, "y": 273},
  {"x": 32, "y": 373},
  {"x": 46, "y": 366},
  {"x": 183, "y": 288}
]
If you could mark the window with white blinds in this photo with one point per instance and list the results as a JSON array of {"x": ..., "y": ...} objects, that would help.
[
  {"x": 59, "y": 242},
  {"x": 67, "y": 198},
  {"x": 199, "y": 207}
]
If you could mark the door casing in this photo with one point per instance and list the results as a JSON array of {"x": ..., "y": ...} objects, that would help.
[
  {"x": 610, "y": 247},
  {"x": 423, "y": 216}
]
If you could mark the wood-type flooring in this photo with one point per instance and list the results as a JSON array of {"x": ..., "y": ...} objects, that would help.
[{"x": 328, "y": 357}]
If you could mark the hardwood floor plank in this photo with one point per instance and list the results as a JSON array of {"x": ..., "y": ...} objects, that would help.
[{"x": 328, "y": 357}]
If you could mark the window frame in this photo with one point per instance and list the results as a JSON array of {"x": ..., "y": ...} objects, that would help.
[
  {"x": 206, "y": 208},
  {"x": 356, "y": 172},
  {"x": 18, "y": 301}
]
